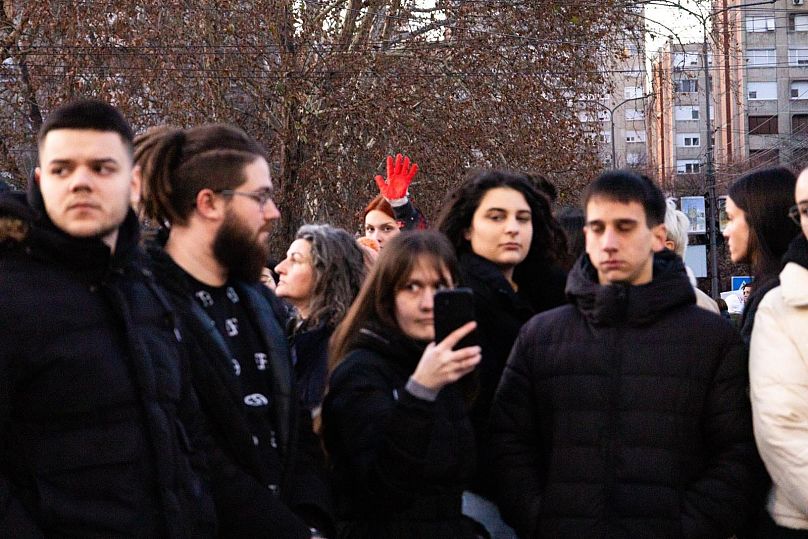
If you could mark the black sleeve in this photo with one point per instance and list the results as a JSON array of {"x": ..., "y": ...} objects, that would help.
[
  {"x": 410, "y": 217},
  {"x": 515, "y": 443},
  {"x": 729, "y": 488},
  {"x": 15, "y": 520},
  {"x": 378, "y": 434},
  {"x": 308, "y": 490}
]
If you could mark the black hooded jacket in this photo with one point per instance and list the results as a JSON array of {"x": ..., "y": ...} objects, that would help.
[
  {"x": 250, "y": 503},
  {"x": 626, "y": 414},
  {"x": 400, "y": 463},
  {"x": 100, "y": 432}
]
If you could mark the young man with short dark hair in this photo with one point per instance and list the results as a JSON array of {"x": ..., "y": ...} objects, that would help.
[
  {"x": 625, "y": 413},
  {"x": 98, "y": 422}
]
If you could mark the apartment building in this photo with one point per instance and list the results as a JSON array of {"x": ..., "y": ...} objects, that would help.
[
  {"x": 618, "y": 118},
  {"x": 761, "y": 84},
  {"x": 677, "y": 129}
]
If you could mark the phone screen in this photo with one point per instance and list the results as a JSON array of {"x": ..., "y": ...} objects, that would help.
[{"x": 454, "y": 308}]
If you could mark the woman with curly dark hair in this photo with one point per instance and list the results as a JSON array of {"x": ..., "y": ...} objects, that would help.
[
  {"x": 509, "y": 247},
  {"x": 320, "y": 277}
]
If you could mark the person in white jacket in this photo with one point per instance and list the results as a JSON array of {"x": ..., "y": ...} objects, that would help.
[{"x": 778, "y": 372}]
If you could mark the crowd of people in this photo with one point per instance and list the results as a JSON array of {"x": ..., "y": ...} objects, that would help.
[{"x": 160, "y": 378}]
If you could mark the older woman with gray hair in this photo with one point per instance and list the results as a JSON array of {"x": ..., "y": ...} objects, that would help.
[
  {"x": 676, "y": 225},
  {"x": 319, "y": 278}
]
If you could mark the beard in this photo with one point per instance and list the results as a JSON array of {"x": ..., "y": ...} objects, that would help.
[{"x": 240, "y": 251}]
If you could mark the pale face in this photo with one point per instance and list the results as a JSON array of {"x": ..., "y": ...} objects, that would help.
[
  {"x": 414, "y": 301},
  {"x": 801, "y": 198},
  {"x": 737, "y": 233},
  {"x": 296, "y": 276},
  {"x": 501, "y": 228},
  {"x": 619, "y": 242},
  {"x": 87, "y": 182},
  {"x": 380, "y": 227}
]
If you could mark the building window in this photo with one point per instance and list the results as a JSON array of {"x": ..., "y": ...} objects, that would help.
[
  {"x": 799, "y": 124},
  {"x": 797, "y": 57},
  {"x": 758, "y": 91},
  {"x": 763, "y": 125},
  {"x": 683, "y": 113},
  {"x": 688, "y": 166},
  {"x": 687, "y": 85},
  {"x": 685, "y": 60},
  {"x": 799, "y": 89},
  {"x": 632, "y": 92},
  {"x": 635, "y": 136},
  {"x": 688, "y": 140},
  {"x": 633, "y": 158},
  {"x": 635, "y": 114},
  {"x": 761, "y": 58},
  {"x": 764, "y": 158},
  {"x": 760, "y": 24},
  {"x": 798, "y": 22}
]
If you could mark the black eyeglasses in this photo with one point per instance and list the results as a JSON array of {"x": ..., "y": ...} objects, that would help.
[
  {"x": 796, "y": 211},
  {"x": 262, "y": 197}
]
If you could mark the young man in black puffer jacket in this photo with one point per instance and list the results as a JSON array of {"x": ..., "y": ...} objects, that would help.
[
  {"x": 626, "y": 414},
  {"x": 100, "y": 431}
]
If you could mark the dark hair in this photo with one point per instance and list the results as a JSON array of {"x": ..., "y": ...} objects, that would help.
[
  {"x": 376, "y": 302},
  {"x": 626, "y": 186},
  {"x": 178, "y": 163},
  {"x": 572, "y": 222},
  {"x": 747, "y": 284},
  {"x": 765, "y": 196},
  {"x": 545, "y": 186},
  {"x": 379, "y": 203},
  {"x": 548, "y": 243},
  {"x": 339, "y": 269},
  {"x": 88, "y": 114}
]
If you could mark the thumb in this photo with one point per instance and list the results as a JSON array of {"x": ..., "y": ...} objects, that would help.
[{"x": 380, "y": 183}]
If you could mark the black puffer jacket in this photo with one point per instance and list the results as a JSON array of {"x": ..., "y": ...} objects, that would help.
[
  {"x": 626, "y": 414},
  {"x": 98, "y": 422},
  {"x": 249, "y": 504},
  {"x": 500, "y": 313},
  {"x": 401, "y": 463}
]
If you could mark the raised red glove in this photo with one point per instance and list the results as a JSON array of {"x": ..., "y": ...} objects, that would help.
[{"x": 399, "y": 178}]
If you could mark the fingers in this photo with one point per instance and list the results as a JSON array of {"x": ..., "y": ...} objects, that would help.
[
  {"x": 380, "y": 183},
  {"x": 412, "y": 172},
  {"x": 389, "y": 165},
  {"x": 454, "y": 337},
  {"x": 397, "y": 166}
]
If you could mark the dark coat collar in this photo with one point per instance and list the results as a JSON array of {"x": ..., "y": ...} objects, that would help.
[{"x": 615, "y": 304}]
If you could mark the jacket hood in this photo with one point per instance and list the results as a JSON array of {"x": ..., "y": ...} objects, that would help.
[
  {"x": 402, "y": 350},
  {"x": 24, "y": 220},
  {"x": 621, "y": 303},
  {"x": 797, "y": 252}
]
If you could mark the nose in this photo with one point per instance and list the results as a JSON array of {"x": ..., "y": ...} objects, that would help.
[
  {"x": 271, "y": 212},
  {"x": 609, "y": 241},
  {"x": 374, "y": 235},
  {"x": 81, "y": 179},
  {"x": 427, "y": 299},
  {"x": 512, "y": 225},
  {"x": 280, "y": 269}
]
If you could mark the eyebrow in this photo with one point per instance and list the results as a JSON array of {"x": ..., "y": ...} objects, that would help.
[
  {"x": 615, "y": 221},
  {"x": 93, "y": 161},
  {"x": 505, "y": 210}
]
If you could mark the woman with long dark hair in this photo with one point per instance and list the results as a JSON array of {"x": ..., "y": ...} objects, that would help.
[
  {"x": 508, "y": 245},
  {"x": 395, "y": 419},
  {"x": 759, "y": 231}
]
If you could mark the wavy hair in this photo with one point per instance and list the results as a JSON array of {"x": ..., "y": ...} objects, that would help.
[
  {"x": 339, "y": 269},
  {"x": 548, "y": 245}
]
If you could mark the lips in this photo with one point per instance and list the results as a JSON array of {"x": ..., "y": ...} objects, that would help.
[{"x": 512, "y": 246}]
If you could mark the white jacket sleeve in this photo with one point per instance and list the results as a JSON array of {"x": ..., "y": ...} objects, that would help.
[{"x": 778, "y": 375}]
